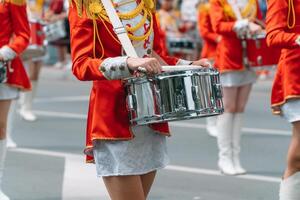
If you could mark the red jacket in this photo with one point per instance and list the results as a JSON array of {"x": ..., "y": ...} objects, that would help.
[
  {"x": 229, "y": 52},
  {"x": 207, "y": 33},
  {"x": 107, "y": 115},
  {"x": 282, "y": 32},
  {"x": 15, "y": 33}
]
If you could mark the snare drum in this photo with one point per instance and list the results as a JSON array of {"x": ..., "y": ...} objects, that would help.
[
  {"x": 174, "y": 95},
  {"x": 180, "y": 45},
  {"x": 259, "y": 55},
  {"x": 36, "y": 47},
  {"x": 55, "y": 31}
]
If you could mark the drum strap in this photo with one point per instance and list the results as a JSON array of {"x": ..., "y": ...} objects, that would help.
[{"x": 119, "y": 29}]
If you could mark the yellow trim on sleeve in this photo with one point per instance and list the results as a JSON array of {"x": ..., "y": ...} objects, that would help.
[{"x": 17, "y": 2}]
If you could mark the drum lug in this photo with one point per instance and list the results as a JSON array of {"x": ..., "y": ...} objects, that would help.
[
  {"x": 217, "y": 90},
  {"x": 179, "y": 99},
  {"x": 195, "y": 93},
  {"x": 158, "y": 100},
  {"x": 131, "y": 102}
]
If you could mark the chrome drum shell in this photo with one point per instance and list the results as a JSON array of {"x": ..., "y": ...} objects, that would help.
[{"x": 175, "y": 95}]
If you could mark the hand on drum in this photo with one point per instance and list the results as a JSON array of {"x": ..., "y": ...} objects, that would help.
[
  {"x": 202, "y": 62},
  {"x": 151, "y": 65},
  {"x": 254, "y": 28}
]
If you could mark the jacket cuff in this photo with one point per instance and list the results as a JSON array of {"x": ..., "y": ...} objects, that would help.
[
  {"x": 115, "y": 68},
  {"x": 184, "y": 62},
  {"x": 7, "y": 53},
  {"x": 298, "y": 40}
]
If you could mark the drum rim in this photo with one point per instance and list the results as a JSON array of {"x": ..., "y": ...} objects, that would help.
[
  {"x": 169, "y": 74},
  {"x": 208, "y": 112}
]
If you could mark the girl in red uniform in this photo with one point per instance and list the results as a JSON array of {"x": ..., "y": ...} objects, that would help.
[
  {"x": 14, "y": 38},
  {"x": 283, "y": 31},
  {"x": 126, "y": 157},
  {"x": 210, "y": 41},
  {"x": 233, "y": 19}
]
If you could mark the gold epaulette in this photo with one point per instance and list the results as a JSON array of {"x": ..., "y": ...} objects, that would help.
[
  {"x": 17, "y": 2},
  {"x": 204, "y": 7},
  {"x": 94, "y": 8}
]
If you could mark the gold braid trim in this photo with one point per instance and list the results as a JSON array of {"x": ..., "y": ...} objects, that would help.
[
  {"x": 204, "y": 7},
  {"x": 249, "y": 12},
  {"x": 291, "y": 19},
  {"x": 17, "y": 2},
  {"x": 94, "y": 10}
]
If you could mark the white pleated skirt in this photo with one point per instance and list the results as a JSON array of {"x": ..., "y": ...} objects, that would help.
[
  {"x": 145, "y": 153},
  {"x": 7, "y": 92},
  {"x": 291, "y": 110},
  {"x": 237, "y": 78}
]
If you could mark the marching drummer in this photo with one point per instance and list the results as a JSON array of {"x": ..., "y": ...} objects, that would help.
[
  {"x": 37, "y": 17},
  {"x": 35, "y": 9},
  {"x": 233, "y": 19},
  {"x": 283, "y": 31},
  {"x": 123, "y": 155},
  {"x": 210, "y": 41},
  {"x": 17, "y": 27},
  {"x": 178, "y": 41}
]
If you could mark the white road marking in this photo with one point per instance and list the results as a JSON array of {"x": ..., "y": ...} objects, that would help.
[
  {"x": 217, "y": 173},
  {"x": 60, "y": 114},
  {"x": 61, "y": 99},
  {"x": 80, "y": 180},
  {"x": 172, "y": 124},
  {"x": 79, "y": 159},
  {"x": 247, "y": 130}
]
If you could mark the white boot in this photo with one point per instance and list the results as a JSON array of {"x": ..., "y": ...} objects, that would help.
[
  {"x": 26, "y": 107},
  {"x": 236, "y": 138},
  {"x": 225, "y": 144},
  {"x": 290, "y": 188},
  {"x": 211, "y": 126},
  {"x": 10, "y": 122},
  {"x": 2, "y": 161}
]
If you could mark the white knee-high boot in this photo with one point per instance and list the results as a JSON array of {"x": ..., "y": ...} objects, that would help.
[
  {"x": 10, "y": 122},
  {"x": 26, "y": 106},
  {"x": 225, "y": 122},
  {"x": 290, "y": 188},
  {"x": 211, "y": 126},
  {"x": 2, "y": 161},
  {"x": 236, "y": 138}
]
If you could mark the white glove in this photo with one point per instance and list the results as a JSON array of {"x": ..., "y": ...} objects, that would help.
[
  {"x": 241, "y": 24},
  {"x": 241, "y": 27},
  {"x": 298, "y": 40},
  {"x": 7, "y": 53}
]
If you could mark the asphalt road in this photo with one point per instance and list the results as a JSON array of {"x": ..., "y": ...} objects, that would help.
[{"x": 49, "y": 165}]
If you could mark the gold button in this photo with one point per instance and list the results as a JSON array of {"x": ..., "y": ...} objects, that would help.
[
  {"x": 122, "y": 67},
  {"x": 103, "y": 69}
]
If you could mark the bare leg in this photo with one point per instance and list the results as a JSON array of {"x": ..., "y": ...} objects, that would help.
[
  {"x": 124, "y": 187},
  {"x": 289, "y": 187},
  {"x": 293, "y": 158},
  {"x": 62, "y": 52},
  {"x": 34, "y": 70},
  {"x": 242, "y": 97},
  {"x": 147, "y": 181},
  {"x": 230, "y": 96},
  {"x": 4, "y": 107}
]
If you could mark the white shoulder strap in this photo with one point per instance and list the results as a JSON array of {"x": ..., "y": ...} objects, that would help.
[{"x": 119, "y": 29}]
